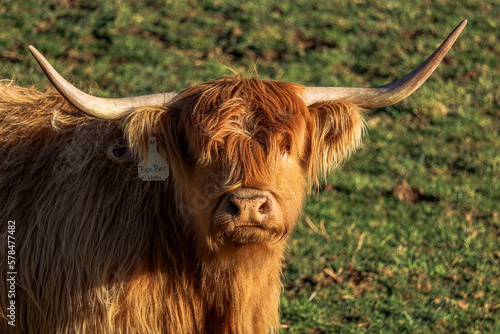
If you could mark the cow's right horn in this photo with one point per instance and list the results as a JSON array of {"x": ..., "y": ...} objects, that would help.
[
  {"x": 382, "y": 96},
  {"x": 96, "y": 106}
]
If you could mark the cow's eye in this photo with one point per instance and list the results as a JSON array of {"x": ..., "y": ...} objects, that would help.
[{"x": 286, "y": 145}]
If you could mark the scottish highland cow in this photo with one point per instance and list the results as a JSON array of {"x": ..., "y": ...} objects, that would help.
[{"x": 166, "y": 213}]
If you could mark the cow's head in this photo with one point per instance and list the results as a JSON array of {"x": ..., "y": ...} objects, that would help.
[{"x": 244, "y": 152}]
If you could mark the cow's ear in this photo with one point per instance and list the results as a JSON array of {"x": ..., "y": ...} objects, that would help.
[
  {"x": 157, "y": 122},
  {"x": 337, "y": 133}
]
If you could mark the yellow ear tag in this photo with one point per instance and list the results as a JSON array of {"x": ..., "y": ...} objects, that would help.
[{"x": 154, "y": 167}]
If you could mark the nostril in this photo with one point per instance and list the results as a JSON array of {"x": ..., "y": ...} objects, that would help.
[
  {"x": 263, "y": 208},
  {"x": 232, "y": 208}
]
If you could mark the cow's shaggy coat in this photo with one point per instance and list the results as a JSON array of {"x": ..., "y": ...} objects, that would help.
[{"x": 99, "y": 250}]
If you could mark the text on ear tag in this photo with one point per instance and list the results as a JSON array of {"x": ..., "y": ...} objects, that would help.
[{"x": 153, "y": 167}]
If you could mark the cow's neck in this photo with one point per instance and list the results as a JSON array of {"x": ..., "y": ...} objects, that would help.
[{"x": 242, "y": 286}]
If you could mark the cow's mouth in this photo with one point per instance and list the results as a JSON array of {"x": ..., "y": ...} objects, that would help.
[{"x": 251, "y": 234}]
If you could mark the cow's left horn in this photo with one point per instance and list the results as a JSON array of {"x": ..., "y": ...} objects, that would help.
[
  {"x": 97, "y": 106},
  {"x": 382, "y": 96}
]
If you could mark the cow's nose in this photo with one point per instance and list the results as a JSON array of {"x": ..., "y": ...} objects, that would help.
[{"x": 249, "y": 208}]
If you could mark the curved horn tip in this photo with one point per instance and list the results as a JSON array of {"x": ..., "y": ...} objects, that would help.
[
  {"x": 461, "y": 26},
  {"x": 34, "y": 51}
]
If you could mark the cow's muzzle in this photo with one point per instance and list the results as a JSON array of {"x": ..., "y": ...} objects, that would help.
[
  {"x": 246, "y": 216},
  {"x": 248, "y": 207}
]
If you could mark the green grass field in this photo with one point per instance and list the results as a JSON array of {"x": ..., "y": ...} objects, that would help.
[{"x": 405, "y": 237}]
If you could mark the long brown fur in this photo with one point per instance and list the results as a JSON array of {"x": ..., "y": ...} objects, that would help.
[{"x": 100, "y": 251}]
